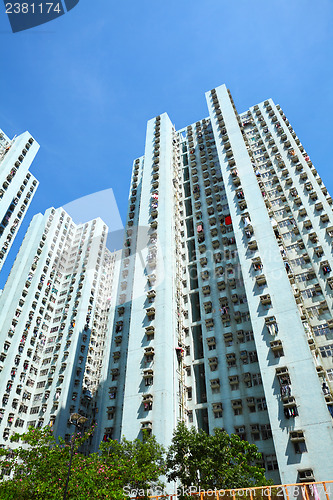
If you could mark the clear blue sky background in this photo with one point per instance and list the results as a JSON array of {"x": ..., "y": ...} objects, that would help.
[{"x": 85, "y": 84}]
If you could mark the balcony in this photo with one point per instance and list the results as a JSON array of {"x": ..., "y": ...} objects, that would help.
[
  {"x": 151, "y": 294},
  {"x": 313, "y": 237},
  {"x": 276, "y": 345},
  {"x": 233, "y": 380},
  {"x": 147, "y": 425},
  {"x": 329, "y": 231},
  {"x": 217, "y": 407},
  {"x": 150, "y": 312},
  {"x": 203, "y": 261},
  {"x": 148, "y": 373},
  {"x": 312, "y": 343},
  {"x": 234, "y": 298},
  {"x": 265, "y": 299},
  {"x": 232, "y": 283},
  {"x": 116, "y": 355},
  {"x": 154, "y": 213},
  {"x": 209, "y": 323},
  {"x": 238, "y": 317},
  {"x": 261, "y": 280},
  {"x": 208, "y": 307},
  {"x": 242, "y": 205},
  {"x": 149, "y": 352},
  {"x": 213, "y": 362},
  {"x": 236, "y": 180},
  {"x": 221, "y": 285},
  {"x": 252, "y": 245},
  {"x": 282, "y": 372},
  {"x": 288, "y": 402},
  {"x": 215, "y": 383}
]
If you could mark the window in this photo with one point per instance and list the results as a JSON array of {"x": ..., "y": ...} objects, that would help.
[
  {"x": 326, "y": 350},
  {"x": 253, "y": 356},
  {"x": 309, "y": 293},
  {"x": 330, "y": 374},
  {"x": 297, "y": 262},
  {"x": 271, "y": 462},
  {"x": 248, "y": 336},
  {"x": 266, "y": 431},
  {"x": 261, "y": 404},
  {"x": 284, "y": 223},
  {"x": 321, "y": 330},
  {"x": 313, "y": 312},
  {"x": 34, "y": 410},
  {"x": 256, "y": 379}
]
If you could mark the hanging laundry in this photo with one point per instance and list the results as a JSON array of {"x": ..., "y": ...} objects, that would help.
[{"x": 325, "y": 388}]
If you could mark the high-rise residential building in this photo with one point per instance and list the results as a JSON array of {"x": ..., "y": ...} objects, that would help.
[
  {"x": 53, "y": 316},
  {"x": 218, "y": 313},
  {"x": 17, "y": 186},
  {"x": 224, "y": 309}
]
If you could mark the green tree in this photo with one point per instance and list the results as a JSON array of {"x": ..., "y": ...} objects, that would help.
[
  {"x": 213, "y": 461},
  {"x": 39, "y": 468},
  {"x": 147, "y": 462}
]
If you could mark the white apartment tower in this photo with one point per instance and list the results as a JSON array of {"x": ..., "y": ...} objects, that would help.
[
  {"x": 53, "y": 315},
  {"x": 17, "y": 186},
  {"x": 224, "y": 308}
]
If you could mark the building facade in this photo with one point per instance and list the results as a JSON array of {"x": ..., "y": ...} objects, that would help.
[
  {"x": 17, "y": 186},
  {"x": 217, "y": 313},
  {"x": 54, "y": 311},
  {"x": 224, "y": 310}
]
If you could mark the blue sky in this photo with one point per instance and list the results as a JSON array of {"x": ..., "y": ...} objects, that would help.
[{"x": 85, "y": 84}]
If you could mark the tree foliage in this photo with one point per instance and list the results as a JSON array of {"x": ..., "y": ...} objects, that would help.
[
  {"x": 147, "y": 457},
  {"x": 39, "y": 470},
  {"x": 213, "y": 461},
  {"x": 36, "y": 468}
]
